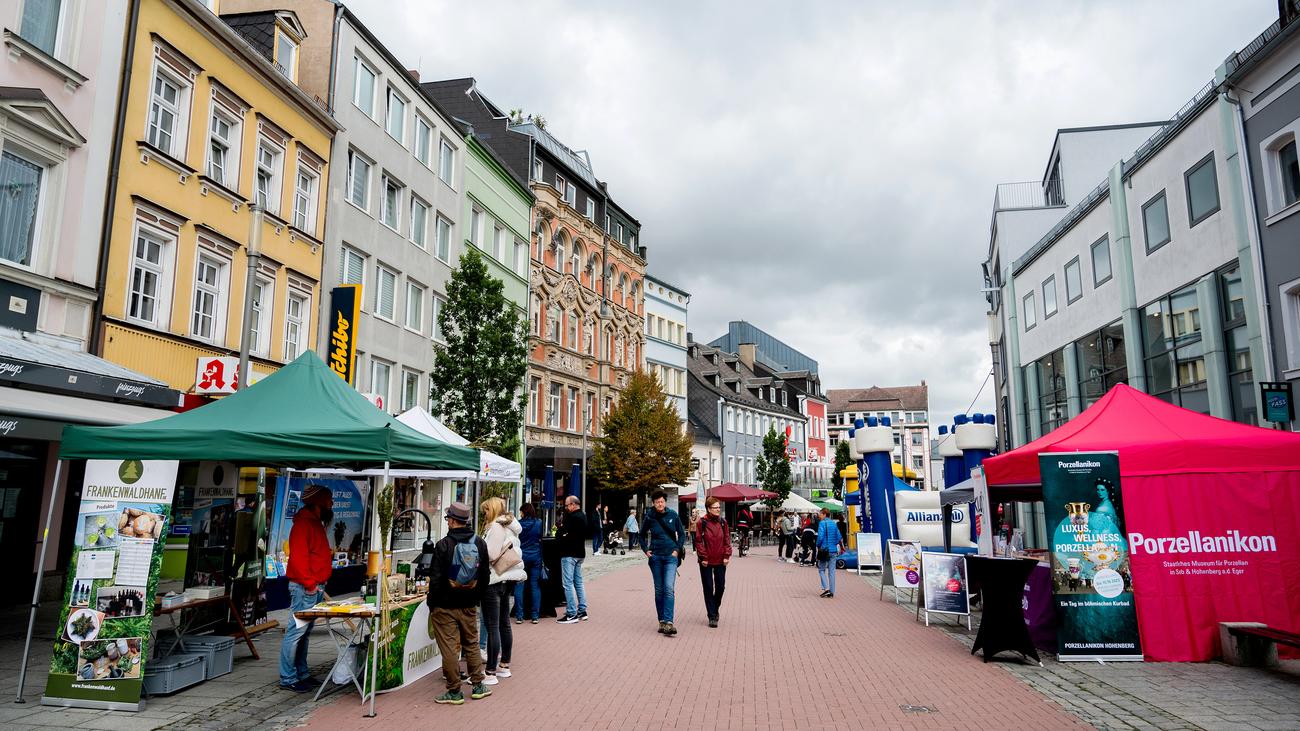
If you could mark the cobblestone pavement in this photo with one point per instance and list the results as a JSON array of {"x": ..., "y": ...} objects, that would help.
[
  {"x": 782, "y": 658},
  {"x": 1157, "y": 695}
]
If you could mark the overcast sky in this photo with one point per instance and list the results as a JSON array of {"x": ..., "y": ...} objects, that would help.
[{"x": 826, "y": 170}]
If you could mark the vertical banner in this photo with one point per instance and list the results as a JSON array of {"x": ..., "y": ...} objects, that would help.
[
  {"x": 107, "y": 615},
  {"x": 345, "y": 306},
  {"x": 1091, "y": 583}
]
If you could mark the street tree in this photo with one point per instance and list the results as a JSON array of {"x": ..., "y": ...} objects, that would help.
[
  {"x": 644, "y": 445},
  {"x": 479, "y": 367},
  {"x": 843, "y": 458},
  {"x": 772, "y": 468}
]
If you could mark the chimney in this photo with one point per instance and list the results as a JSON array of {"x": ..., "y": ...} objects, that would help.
[
  {"x": 746, "y": 351},
  {"x": 415, "y": 75}
]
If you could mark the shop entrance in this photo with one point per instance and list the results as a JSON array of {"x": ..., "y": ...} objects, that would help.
[{"x": 22, "y": 482}]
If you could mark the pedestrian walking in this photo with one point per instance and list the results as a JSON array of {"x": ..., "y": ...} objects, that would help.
[
  {"x": 572, "y": 536},
  {"x": 310, "y": 566},
  {"x": 506, "y": 568},
  {"x": 693, "y": 523},
  {"x": 829, "y": 545},
  {"x": 597, "y": 536},
  {"x": 631, "y": 529},
  {"x": 744, "y": 522},
  {"x": 528, "y": 593},
  {"x": 808, "y": 543},
  {"x": 789, "y": 535},
  {"x": 458, "y": 579},
  {"x": 663, "y": 538},
  {"x": 714, "y": 549}
]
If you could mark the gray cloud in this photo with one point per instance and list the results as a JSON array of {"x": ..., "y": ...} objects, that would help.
[{"x": 826, "y": 170}]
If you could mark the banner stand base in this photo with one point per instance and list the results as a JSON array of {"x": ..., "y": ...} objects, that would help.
[
  {"x": 1100, "y": 659},
  {"x": 92, "y": 704}
]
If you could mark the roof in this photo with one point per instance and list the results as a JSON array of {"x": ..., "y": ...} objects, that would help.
[
  {"x": 19, "y": 348},
  {"x": 657, "y": 280},
  {"x": 1153, "y": 437},
  {"x": 730, "y": 369},
  {"x": 579, "y": 165},
  {"x": 462, "y": 101},
  {"x": 879, "y": 398}
]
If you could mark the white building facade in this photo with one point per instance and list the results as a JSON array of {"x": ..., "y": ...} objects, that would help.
[{"x": 665, "y": 339}]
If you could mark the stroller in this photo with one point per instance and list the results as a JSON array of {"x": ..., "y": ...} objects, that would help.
[
  {"x": 807, "y": 553},
  {"x": 614, "y": 543}
]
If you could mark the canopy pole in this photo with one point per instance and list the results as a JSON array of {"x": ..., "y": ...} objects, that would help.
[
  {"x": 379, "y": 594},
  {"x": 40, "y": 576}
]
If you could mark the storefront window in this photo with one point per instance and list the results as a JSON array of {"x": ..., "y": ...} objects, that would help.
[
  {"x": 1241, "y": 382},
  {"x": 1173, "y": 351},
  {"x": 1101, "y": 362},
  {"x": 1051, "y": 391}
]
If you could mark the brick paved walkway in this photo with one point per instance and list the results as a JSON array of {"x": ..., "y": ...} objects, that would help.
[{"x": 783, "y": 658}]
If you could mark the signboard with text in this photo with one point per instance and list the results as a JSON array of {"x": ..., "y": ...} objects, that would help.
[
  {"x": 1279, "y": 407},
  {"x": 341, "y": 350}
]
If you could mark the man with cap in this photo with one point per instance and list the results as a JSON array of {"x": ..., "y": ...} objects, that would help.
[
  {"x": 458, "y": 579},
  {"x": 309, "y": 568}
]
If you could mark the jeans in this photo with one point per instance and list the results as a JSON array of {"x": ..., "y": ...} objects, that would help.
[
  {"x": 633, "y": 539},
  {"x": 293, "y": 649},
  {"x": 714, "y": 580},
  {"x": 663, "y": 569},
  {"x": 826, "y": 571},
  {"x": 496, "y": 615},
  {"x": 575, "y": 596},
  {"x": 596, "y": 539},
  {"x": 529, "y": 593}
]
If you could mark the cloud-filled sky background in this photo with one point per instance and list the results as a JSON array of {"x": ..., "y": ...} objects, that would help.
[{"x": 826, "y": 170}]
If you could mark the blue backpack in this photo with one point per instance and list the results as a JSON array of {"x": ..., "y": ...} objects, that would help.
[{"x": 464, "y": 565}]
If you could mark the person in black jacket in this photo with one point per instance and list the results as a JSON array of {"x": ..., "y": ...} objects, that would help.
[
  {"x": 572, "y": 536},
  {"x": 453, "y": 604}
]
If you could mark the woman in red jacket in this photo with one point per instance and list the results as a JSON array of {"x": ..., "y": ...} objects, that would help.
[{"x": 713, "y": 546}]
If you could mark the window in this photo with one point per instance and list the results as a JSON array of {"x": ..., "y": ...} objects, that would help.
[
  {"x": 352, "y": 267},
  {"x": 1027, "y": 311},
  {"x": 1101, "y": 362},
  {"x": 363, "y": 92},
  {"x": 359, "y": 180},
  {"x": 415, "y": 306},
  {"x": 223, "y": 150},
  {"x": 1073, "y": 281},
  {"x": 553, "y": 322},
  {"x": 410, "y": 389},
  {"x": 537, "y": 170},
  {"x": 916, "y": 439},
  {"x": 286, "y": 56},
  {"x": 380, "y": 378},
  {"x": 521, "y": 258},
  {"x": 165, "y": 106},
  {"x": 571, "y": 410},
  {"x": 498, "y": 243},
  {"x": 207, "y": 317},
  {"x": 588, "y": 337},
  {"x": 443, "y": 250},
  {"x": 1100, "y": 261},
  {"x": 553, "y": 407},
  {"x": 20, "y": 197},
  {"x": 1173, "y": 351},
  {"x": 562, "y": 187},
  {"x": 1286, "y": 174},
  {"x": 1049, "y": 297},
  {"x": 297, "y": 315},
  {"x": 1241, "y": 382},
  {"x": 591, "y": 210},
  {"x": 1289, "y": 296},
  {"x": 590, "y": 414},
  {"x": 395, "y": 116},
  {"x": 147, "y": 302},
  {"x": 438, "y": 303},
  {"x": 1202, "y": 190},
  {"x": 40, "y": 25},
  {"x": 392, "y": 208},
  {"x": 266, "y": 193},
  {"x": 476, "y": 227},
  {"x": 571, "y": 330},
  {"x": 423, "y": 141},
  {"x": 446, "y": 161},
  {"x": 304, "y": 200},
  {"x": 419, "y": 222},
  {"x": 534, "y": 399},
  {"x": 560, "y": 248},
  {"x": 260, "y": 326},
  {"x": 385, "y": 292},
  {"x": 1155, "y": 222}
]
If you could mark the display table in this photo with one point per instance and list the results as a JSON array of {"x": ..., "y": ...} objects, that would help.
[
  {"x": 181, "y": 623},
  {"x": 1001, "y": 583},
  {"x": 351, "y": 624}
]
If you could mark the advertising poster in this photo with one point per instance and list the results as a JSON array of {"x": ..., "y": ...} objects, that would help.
[
  {"x": 1091, "y": 582},
  {"x": 869, "y": 553},
  {"x": 211, "y": 524},
  {"x": 407, "y": 652},
  {"x": 905, "y": 558},
  {"x": 107, "y": 616},
  {"x": 945, "y": 583},
  {"x": 344, "y": 531}
]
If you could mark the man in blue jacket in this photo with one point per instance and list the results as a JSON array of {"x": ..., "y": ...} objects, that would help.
[{"x": 663, "y": 539}]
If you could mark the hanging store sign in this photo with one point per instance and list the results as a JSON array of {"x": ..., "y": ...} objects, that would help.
[
  {"x": 85, "y": 383},
  {"x": 1279, "y": 406},
  {"x": 345, "y": 308},
  {"x": 216, "y": 375}
]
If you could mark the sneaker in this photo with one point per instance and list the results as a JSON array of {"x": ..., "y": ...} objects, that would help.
[
  {"x": 713, "y": 622},
  {"x": 663, "y": 628},
  {"x": 825, "y": 592},
  {"x": 451, "y": 697},
  {"x": 503, "y": 672},
  {"x": 519, "y": 620},
  {"x": 311, "y": 681},
  {"x": 583, "y": 615},
  {"x": 479, "y": 692},
  {"x": 533, "y": 620},
  {"x": 671, "y": 629},
  {"x": 568, "y": 619},
  {"x": 298, "y": 687},
  {"x": 490, "y": 679},
  {"x": 483, "y": 654}
]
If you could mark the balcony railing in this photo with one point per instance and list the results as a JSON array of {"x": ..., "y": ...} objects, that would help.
[{"x": 1031, "y": 194}]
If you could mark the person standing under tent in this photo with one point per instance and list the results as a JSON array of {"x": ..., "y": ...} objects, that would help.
[
  {"x": 310, "y": 566},
  {"x": 829, "y": 545},
  {"x": 572, "y": 536},
  {"x": 528, "y": 593},
  {"x": 663, "y": 539},
  {"x": 458, "y": 579},
  {"x": 713, "y": 546}
]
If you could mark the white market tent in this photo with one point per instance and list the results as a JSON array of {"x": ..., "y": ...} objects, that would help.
[{"x": 792, "y": 504}]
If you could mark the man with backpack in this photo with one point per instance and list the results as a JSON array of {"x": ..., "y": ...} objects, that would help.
[
  {"x": 663, "y": 538},
  {"x": 744, "y": 521},
  {"x": 458, "y": 579}
]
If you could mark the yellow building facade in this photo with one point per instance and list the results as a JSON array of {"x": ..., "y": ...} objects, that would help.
[{"x": 213, "y": 124}]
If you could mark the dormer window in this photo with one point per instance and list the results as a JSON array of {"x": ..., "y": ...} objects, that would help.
[{"x": 286, "y": 55}]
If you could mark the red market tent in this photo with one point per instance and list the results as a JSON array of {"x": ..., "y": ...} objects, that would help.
[
  {"x": 1184, "y": 477},
  {"x": 730, "y": 492}
]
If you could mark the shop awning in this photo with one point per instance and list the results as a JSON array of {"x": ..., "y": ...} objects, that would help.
[
  {"x": 60, "y": 407},
  {"x": 303, "y": 415},
  {"x": 731, "y": 492}
]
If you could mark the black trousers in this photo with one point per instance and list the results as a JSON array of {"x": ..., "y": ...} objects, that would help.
[
  {"x": 496, "y": 615},
  {"x": 789, "y": 540},
  {"x": 714, "y": 581}
]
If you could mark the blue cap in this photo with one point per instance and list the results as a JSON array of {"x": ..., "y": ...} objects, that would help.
[
  {"x": 884, "y": 421},
  {"x": 872, "y": 421},
  {"x": 851, "y": 431},
  {"x": 943, "y": 430},
  {"x": 960, "y": 419},
  {"x": 988, "y": 419},
  {"x": 859, "y": 423}
]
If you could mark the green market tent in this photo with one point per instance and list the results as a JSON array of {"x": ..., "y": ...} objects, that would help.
[
  {"x": 834, "y": 506},
  {"x": 303, "y": 415}
]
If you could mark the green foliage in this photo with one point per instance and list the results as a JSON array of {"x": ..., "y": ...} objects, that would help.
[
  {"x": 644, "y": 445},
  {"x": 478, "y": 372},
  {"x": 772, "y": 468},
  {"x": 843, "y": 458}
]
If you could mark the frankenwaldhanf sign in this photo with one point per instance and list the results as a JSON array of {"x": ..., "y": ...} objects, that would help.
[{"x": 1092, "y": 585}]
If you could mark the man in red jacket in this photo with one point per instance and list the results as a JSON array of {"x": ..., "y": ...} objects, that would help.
[{"x": 309, "y": 568}]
